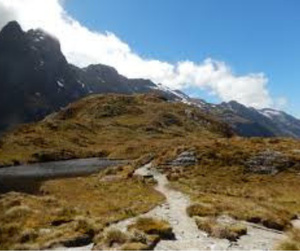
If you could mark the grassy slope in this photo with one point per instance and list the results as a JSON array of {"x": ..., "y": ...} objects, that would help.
[
  {"x": 219, "y": 183},
  {"x": 111, "y": 125},
  {"x": 72, "y": 207},
  {"x": 131, "y": 126}
]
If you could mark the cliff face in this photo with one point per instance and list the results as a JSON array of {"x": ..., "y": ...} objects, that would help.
[{"x": 35, "y": 77}]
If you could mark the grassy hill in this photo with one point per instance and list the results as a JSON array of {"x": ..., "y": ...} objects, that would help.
[
  {"x": 115, "y": 126},
  {"x": 255, "y": 179}
]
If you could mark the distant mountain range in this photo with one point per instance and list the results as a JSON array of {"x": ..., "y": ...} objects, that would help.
[
  {"x": 251, "y": 122},
  {"x": 36, "y": 79}
]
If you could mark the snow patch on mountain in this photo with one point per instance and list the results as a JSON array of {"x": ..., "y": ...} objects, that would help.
[
  {"x": 60, "y": 84},
  {"x": 270, "y": 113},
  {"x": 181, "y": 96}
]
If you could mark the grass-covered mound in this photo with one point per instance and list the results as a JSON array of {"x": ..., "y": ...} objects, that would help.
[{"x": 109, "y": 125}]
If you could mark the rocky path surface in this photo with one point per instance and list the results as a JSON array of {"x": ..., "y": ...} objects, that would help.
[{"x": 188, "y": 237}]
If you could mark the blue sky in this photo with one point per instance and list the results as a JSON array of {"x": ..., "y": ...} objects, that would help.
[
  {"x": 244, "y": 50},
  {"x": 251, "y": 36}
]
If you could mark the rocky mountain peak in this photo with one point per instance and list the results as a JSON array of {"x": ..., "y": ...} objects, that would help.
[
  {"x": 35, "y": 74},
  {"x": 12, "y": 37},
  {"x": 12, "y": 29},
  {"x": 234, "y": 105},
  {"x": 101, "y": 69},
  {"x": 40, "y": 37}
]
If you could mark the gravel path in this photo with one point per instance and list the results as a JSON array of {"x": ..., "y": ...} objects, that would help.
[{"x": 188, "y": 237}]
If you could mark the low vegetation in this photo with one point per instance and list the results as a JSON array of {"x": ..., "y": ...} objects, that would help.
[
  {"x": 73, "y": 211},
  {"x": 115, "y": 239},
  {"x": 256, "y": 179},
  {"x": 144, "y": 234},
  {"x": 112, "y": 196},
  {"x": 222, "y": 183},
  {"x": 153, "y": 226},
  {"x": 216, "y": 229},
  {"x": 115, "y": 126},
  {"x": 111, "y": 238},
  {"x": 292, "y": 242}
]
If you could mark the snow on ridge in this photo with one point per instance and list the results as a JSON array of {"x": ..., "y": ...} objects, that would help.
[
  {"x": 270, "y": 113},
  {"x": 167, "y": 89},
  {"x": 60, "y": 84},
  {"x": 81, "y": 84}
]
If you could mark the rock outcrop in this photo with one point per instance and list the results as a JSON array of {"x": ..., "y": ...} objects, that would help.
[
  {"x": 187, "y": 158},
  {"x": 267, "y": 162}
]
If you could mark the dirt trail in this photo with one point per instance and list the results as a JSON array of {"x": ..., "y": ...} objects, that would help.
[{"x": 188, "y": 237}]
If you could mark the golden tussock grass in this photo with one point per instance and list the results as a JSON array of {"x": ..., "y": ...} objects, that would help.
[
  {"x": 109, "y": 126},
  {"x": 292, "y": 242},
  {"x": 72, "y": 208},
  {"x": 221, "y": 184},
  {"x": 221, "y": 230},
  {"x": 153, "y": 226},
  {"x": 110, "y": 199}
]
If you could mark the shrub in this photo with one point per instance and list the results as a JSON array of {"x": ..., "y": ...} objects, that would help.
[
  {"x": 201, "y": 210},
  {"x": 205, "y": 224},
  {"x": 154, "y": 227},
  {"x": 134, "y": 246},
  {"x": 17, "y": 212},
  {"x": 293, "y": 241},
  {"x": 113, "y": 236},
  {"x": 232, "y": 232},
  {"x": 28, "y": 235}
]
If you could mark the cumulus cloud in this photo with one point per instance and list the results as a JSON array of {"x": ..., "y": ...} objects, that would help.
[{"x": 83, "y": 46}]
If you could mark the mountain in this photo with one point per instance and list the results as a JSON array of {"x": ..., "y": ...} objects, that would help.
[
  {"x": 287, "y": 124},
  {"x": 36, "y": 79},
  {"x": 113, "y": 125},
  {"x": 251, "y": 122}
]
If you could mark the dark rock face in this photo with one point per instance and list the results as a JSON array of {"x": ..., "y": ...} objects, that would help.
[
  {"x": 105, "y": 79},
  {"x": 35, "y": 78},
  {"x": 267, "y": 162}
]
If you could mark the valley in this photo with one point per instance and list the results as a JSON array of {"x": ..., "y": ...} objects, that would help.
[
  {"x": 220, "y": 180},
  {"x": 94, "y": 160}
]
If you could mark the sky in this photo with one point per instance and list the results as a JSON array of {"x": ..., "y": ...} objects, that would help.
[{"x": 218, "y": 50}]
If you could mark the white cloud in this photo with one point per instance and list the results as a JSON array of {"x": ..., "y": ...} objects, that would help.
[{"x": 83, "y": 46}]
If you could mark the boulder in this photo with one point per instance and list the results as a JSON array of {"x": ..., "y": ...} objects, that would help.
[{"x": 186, "y": 158}]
